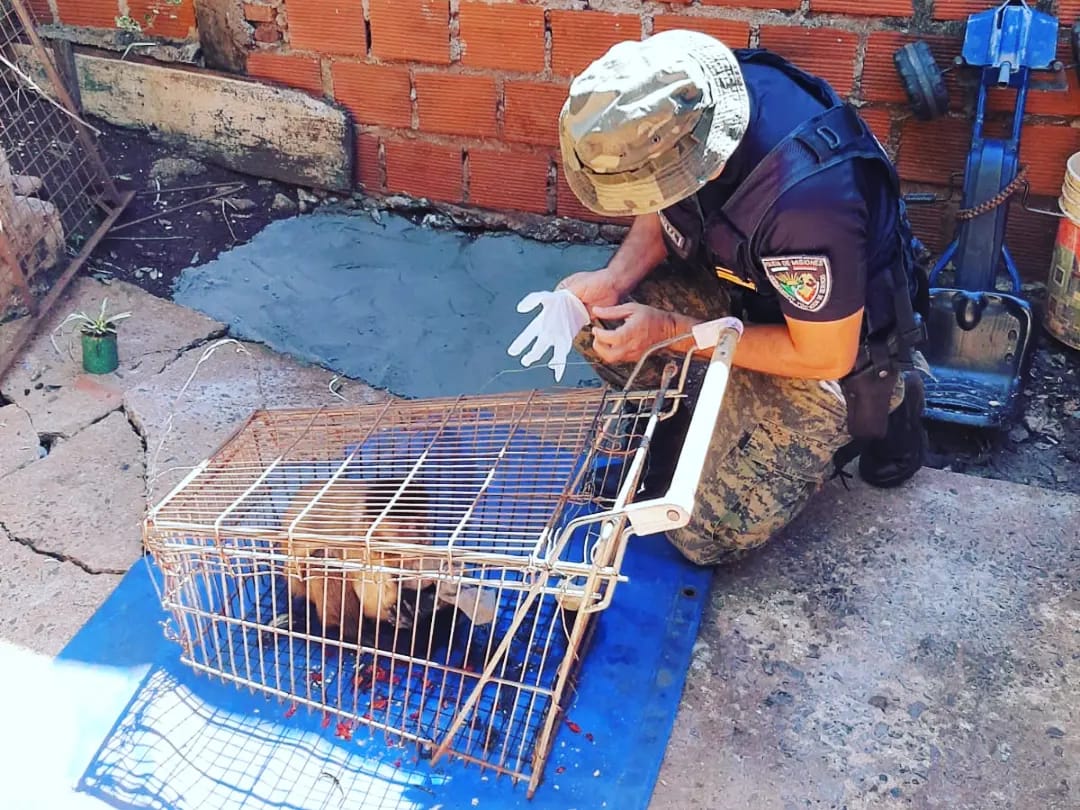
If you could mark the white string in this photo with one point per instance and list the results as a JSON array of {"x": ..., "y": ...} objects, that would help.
[
  {"x": 151, "y": 476},
  {"x": 44, "y": 95}
]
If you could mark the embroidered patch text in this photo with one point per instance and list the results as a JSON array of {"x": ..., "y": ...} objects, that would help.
[{"x": 805, "y": 281}]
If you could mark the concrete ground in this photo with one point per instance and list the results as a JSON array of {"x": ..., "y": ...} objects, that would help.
[{"x": 913, "y": 648}]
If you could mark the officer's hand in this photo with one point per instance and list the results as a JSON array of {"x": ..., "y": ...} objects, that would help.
[
  {"x": 594, "y": 288},
  {"x": 642, "y": 328}
]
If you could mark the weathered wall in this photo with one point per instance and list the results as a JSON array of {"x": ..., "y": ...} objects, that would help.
[{"x": 456, "y": 100}]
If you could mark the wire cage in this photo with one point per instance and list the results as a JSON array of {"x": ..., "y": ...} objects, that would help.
[
  {"x": 57, "y": 198},
  {"x": 429, "y": 569}
]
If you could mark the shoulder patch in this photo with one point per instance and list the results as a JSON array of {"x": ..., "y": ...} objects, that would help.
[{"x": 805, "y": 281}]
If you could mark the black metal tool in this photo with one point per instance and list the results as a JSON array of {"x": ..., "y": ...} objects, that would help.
[{"x": 980, "y": 335}]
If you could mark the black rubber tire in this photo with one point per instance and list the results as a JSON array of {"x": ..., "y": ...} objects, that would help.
[{"x": 923, "y": 81}]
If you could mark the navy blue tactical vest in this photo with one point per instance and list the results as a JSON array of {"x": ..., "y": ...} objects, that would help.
[{"x": 727, "y": 239}]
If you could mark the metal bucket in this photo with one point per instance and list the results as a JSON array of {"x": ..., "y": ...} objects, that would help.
[{"x": 1062, "y": 317}]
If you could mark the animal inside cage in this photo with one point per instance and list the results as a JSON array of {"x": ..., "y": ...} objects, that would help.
[
  {"x": 429, "y": 569},
  {"x": 56, "y": 197}
]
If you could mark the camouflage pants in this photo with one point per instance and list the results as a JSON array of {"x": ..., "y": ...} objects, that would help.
[{"x": 773, "y": 445}]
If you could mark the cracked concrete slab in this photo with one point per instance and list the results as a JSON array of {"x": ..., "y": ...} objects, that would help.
[
  {"x": 18, "y": 442},
  {"x": 84, "y": 502},
  {"x": 44, "y": 601},
  {"x": 51, "y": 385},
  {"x": 915, "y": 646},
  {"x": 235, "y": 379}
]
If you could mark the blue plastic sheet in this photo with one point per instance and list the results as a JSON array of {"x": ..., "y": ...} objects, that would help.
[{"x": 187, "y": 740}]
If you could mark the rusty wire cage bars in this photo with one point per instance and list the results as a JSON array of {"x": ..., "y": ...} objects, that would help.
[
  {"x": 431, "y": 569},
  {"x": 57, "y": 198}
]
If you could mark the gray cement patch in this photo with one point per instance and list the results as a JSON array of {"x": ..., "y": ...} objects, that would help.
[{"x": 415, "y": 311}]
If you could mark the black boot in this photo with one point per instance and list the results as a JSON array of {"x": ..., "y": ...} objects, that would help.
[{"x": 891, "y": 461}]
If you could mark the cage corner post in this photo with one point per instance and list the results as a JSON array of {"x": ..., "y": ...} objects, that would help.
[{"x": 58, "y": 199}]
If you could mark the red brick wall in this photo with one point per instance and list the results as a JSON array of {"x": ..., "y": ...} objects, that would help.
[{"x": 456, "y": 100}]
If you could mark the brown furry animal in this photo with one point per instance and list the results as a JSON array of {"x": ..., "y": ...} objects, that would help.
[{"x": 343, "y": 597}]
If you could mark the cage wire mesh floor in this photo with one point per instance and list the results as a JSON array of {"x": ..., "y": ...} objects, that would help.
[{"x": 446, "y": 612}]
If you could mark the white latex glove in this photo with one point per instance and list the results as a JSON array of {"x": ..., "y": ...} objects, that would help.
[
  {"x": 707, "y": 334},
  {"x": 561, "y": 318}
]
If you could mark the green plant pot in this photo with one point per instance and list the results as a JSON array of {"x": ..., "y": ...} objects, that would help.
[{"x": 99, "y": 354}]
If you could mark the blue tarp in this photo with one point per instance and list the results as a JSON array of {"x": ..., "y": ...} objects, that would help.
[{"x": 186, "y": 740}]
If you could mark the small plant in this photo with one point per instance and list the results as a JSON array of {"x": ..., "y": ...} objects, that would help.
[
  {"x": 129, "y": 24},
  {"x": 99, "y": 336},
  {"x": 133, "y": 26},
  {"x": 98, "y": 326}
]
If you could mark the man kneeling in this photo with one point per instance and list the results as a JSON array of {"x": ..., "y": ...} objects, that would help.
[{"x": 755, "y": 192}]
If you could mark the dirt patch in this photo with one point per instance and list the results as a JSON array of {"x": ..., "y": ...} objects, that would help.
[
  {"x": 172, "y": 223},
  {"x": 1042, "y": 450}
]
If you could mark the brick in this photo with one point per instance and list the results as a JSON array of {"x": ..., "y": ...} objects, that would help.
[
  {"x": 879, "y": 119},
  {"x": 423, "y": 169},
  {"x": 580, "y": 37},
  {"x": 509, "y": 181},
  {"x": 1044, "y": 102},
  {"x": 368, "y": 170},
  {"x": 454, "y": 104},
  {"x": 733, "y": 33},
  {"x": 267, "y": 34},
  {"x": 301, "y": 72},
  {"x": 1068, "y": 12},
  {"x": 531, "y": 112},
  {"x": 825, "y": 52},
  {"x": 89, "y": 13},
  {"x": 327, "y": 26},
  {"x": 780, "y": 5},
  {"x": 40, "y": 10},
  {"x": 1031, "y": 237},
  {"x": 880, "y": 80},
  {"x": 255, "y": 12},
  {"x": 930, "y": 151},
  {"x": 959, "y": 9},
  {"x": 1044, "y": 149},
  {"x": 861, "y": 8},
  {"x": 161, "y": 19},
  {"x": 374, "y": 94},
  {"x": 411, "y": 30},
  {"x": 506, "y": 37}
]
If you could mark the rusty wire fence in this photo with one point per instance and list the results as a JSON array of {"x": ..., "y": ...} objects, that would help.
[{"x": 56, "y": 196}]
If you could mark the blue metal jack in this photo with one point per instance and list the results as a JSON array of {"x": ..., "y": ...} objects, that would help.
[{"x": 981, "y": 336}]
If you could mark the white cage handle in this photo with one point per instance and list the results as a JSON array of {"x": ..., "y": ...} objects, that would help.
[{"x": 673, "y": 509}]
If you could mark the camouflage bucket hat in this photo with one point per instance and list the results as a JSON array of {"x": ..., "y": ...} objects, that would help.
[{"x": 650, "y": 122}]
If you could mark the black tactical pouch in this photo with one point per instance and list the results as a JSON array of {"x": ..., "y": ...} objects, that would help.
[{"x": 868, "y": 391}]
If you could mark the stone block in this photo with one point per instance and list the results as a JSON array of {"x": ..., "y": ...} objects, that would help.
[
  {"x": 18, "y": 441},
  {"x": 44, "y": 601},
  {"x": 85, "y": 501},
  {"x": 183, "y": 428},
  {"x": 48, "y": 381}
]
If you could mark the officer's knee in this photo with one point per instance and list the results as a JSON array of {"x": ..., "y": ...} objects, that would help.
[{"x": 718, "y": 546}]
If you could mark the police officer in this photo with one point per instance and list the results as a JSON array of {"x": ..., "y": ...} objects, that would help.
[{"x": 755, "y": 191}]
